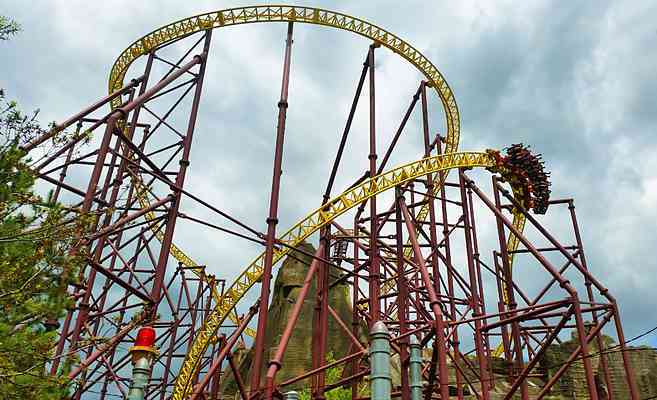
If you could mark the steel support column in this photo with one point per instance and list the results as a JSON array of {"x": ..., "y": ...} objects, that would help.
[
  {"x": 439, "y": 323},
  {"x": 474, "y": 292},
  {"x": 374, "y": 267},
  {"x": 272, "y": 220}
]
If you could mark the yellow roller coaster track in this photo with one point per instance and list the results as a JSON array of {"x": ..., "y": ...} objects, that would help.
[{"x": 225, "y": 307}]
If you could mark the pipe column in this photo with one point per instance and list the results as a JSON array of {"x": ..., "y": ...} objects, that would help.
[
  {"x": 143, "y": 353},
  {"x": 415, "y": 370},
  {"x": 380, "y": 381},
  {"x": 291, "y": 395}
]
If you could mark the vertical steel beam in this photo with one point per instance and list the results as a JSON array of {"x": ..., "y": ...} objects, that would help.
[
  {"x": 450, "y": 273},
  {"x": 83, "y": 311},
  {"x": 477, "y": 264},
  {"x": 629, "y": 371},
  {"x": 172, "y": 340},
  {"x": 374, "y": 268},
  {"x": 434, "y": 302},
  {"x": 238, "y": 379},
  {"x": 433, "y": 236},
  {"x": 320, "y": 331},
  {"x": 272, "y": 220},
  {"x": 587, "y": 282},
  {"x": 402, "y": 301},
  {"x": 355, "y": 317},
  {"x": 430, "y": 187},
  {"x": 500, "y": 280},
  {"x": 156, "y": 291},
  {"x": 474, "y": 294},
  {"x": 507, "y": 275}
]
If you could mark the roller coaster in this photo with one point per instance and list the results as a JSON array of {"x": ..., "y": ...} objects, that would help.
[{"x": 403, "y": 238}]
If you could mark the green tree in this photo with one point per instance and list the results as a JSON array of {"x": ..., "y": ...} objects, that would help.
[{"x": 36, "y": 236}]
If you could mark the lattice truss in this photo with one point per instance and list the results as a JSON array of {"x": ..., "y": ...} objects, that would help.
[{"x": 417, "y": 259}]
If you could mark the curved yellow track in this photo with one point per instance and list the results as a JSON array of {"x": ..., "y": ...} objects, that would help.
[
  {"x": 302, "y": 230},
  {"x": 282, "y": 13}
]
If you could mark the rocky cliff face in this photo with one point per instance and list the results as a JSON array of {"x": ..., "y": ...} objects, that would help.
[{"x": 297, "y": 357}]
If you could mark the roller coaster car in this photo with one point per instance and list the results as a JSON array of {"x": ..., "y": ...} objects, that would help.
[{"x": 525, "y": 172}]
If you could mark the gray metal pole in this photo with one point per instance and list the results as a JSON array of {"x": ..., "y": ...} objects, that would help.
[
  {"x": 415, "y": 370},
  {"x": 380, "y": 381},
  {"x": 140, "y": 372},
  {"x": 291, "y": 395},
  {"x": 143, "y": 353}
]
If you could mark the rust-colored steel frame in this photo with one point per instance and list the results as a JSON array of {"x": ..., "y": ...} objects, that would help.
[
  {"x": 127, "y": 281},
  {"x": 442, "y": 294}
]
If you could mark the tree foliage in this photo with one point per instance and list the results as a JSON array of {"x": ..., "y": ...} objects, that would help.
[
  {"x": 8, "y": 28},
  {"x": 36, "y": 265}
]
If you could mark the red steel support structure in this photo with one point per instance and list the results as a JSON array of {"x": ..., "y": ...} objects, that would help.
[
  {"x": 272, "y": 220},
  {"x": 127, "y": 280},
  {"x": 416, "y": 260}
]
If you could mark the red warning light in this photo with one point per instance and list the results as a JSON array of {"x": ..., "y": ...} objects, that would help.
[{"x": 145, "y": 337}]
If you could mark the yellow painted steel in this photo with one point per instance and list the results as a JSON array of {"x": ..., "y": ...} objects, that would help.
[
  {"x": 284, "y": 13},
  {"x": 302, "y": 230}
]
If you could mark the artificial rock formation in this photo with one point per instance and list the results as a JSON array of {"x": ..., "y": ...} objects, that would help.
[
  {"x": 297, "y": 357},
  {"x": 572, "y": 385}
]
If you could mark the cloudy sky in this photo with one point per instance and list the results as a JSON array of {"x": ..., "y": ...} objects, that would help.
[{"x": 572, "y": 79}]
